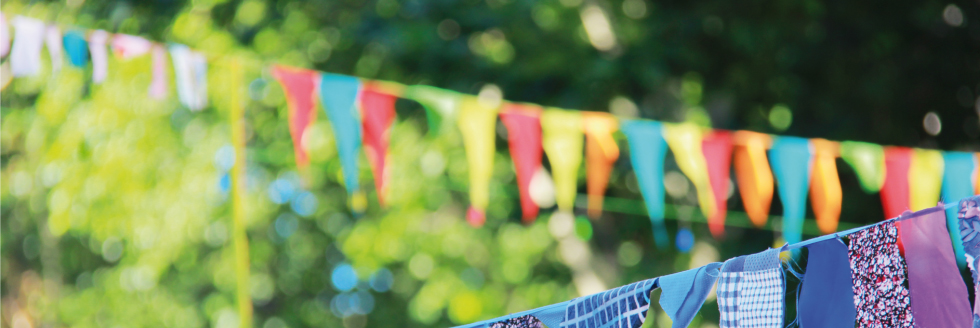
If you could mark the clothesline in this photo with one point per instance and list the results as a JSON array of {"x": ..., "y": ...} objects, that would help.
[{"x": 552, "y": 315}]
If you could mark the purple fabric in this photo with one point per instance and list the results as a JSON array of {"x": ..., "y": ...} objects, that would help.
[{"x": 939, "y": 296}]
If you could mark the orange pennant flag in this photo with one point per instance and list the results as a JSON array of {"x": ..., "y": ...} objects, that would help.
[
  {"x": 601, "y": 152},
  {"x": 754, "y": 176},
  {"x": 825, "y": 189}
]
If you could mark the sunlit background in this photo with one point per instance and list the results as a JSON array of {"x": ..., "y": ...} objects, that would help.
[{"x": 116, "y": 208}]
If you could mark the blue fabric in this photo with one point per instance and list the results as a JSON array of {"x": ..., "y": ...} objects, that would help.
[
  {"x": 790, "y": 161},
  {"x": 827, "y": 295},
  {"x": 647, "y": 151},
  {"x": 957, "y": 184},
  {"x": 683, "y": 293},
  {"x": 339, "y": 94},
  {"x": 77, "y": 48},
  {"x": 624, "y": 307}
]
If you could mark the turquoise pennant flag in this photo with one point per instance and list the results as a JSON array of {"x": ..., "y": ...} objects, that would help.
[
  {"x": 77, "y": 48},
  {"x": 791, "y": 159},
  {"x": 647, "y": 151},
  {"x": 957, "y": 184},
  {"x": 338, "y": 93}
]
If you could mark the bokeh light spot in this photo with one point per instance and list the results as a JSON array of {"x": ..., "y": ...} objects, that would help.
[
  {"x": 583, "y": 228},
  {"x": 382, "y": 280},
  {"x": 685, "y": 240},
  {"x": 344, "y": 277},
  {"x": 932, "y": 124},
  {"x": 629, "y": 254},
  {"x": 304, "y": 204},
  {"x": 780, "y": 117}
]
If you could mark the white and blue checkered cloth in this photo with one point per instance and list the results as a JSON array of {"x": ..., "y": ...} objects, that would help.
[
  {"x": 728, "y": 299},
  {"x": 623, "y": 307},
  {"x": 750, "y": 292}
]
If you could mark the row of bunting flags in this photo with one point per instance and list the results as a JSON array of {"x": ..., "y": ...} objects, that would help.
[{"x": 362, "y": 112}]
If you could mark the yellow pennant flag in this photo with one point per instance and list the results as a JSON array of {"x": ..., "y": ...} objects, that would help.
[
  {"x": 685, "y": 142},
  {"x": 925, "y": 178},
  {"x": 825, "y": 189},
  {"x": 562, "y": 140},
  {"x": 477, "y": 123}
]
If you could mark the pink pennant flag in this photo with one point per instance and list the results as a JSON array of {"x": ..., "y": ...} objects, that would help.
[
  {"x": 523, "y": 123},
  {"x": 717, "y": 149},
  {"x": 158, "y": 86},
  {"x": 300, "y": 88},
  {"x": 128, "y": 46},
  {"x": 379, "y": 114},
  {"x": 25, "y": 57},
  {"x": 100, "y": 61},
  {"x": 52, "y": 38}
]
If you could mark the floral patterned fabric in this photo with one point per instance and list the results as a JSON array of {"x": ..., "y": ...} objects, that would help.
[
  {"x": 969, "y": 220},
  {"x": 879, "y": 275},
  {"x": 526, "y": 321}
]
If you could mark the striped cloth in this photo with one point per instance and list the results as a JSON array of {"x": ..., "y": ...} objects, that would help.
[{"x": 623, "y": 307}]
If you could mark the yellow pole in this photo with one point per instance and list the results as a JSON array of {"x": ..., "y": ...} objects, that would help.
[{"x": 237, "y": 204}]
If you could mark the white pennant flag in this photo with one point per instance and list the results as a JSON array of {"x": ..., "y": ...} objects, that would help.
[
  {"x": 191, "y": 70},
  {"x": 100, "y": 60},
  {"x": 129, "y": 46},
  {"x": 158, "y": 86},
  {"x": 25, "y": 57},
  {"x": 52, "y": 37}
]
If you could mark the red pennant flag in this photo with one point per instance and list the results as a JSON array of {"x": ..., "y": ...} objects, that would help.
[
  {"x": 717, "y": 149},
  {"x": 895, "y": 192},
  {"x": 300, "y": 88},
  {"x": 379, "y": 114},
  {"x": 523, "y": 125}
]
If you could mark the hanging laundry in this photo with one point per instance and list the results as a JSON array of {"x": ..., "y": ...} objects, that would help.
[
  {"x": 190, "y": 70},
  {"x": 379, "y": 115},
  {"x": 77, "y": 48},
  {"x": 52, "y": 39},
  {"x": 878, "y": 277},
  {"x": 895, "y": 191},
  {"x": 440, "y": 105},
  {"x": 523, "y": 123},
  {"x": 958, "y": 175},
  {"x": 825, "y": 190},
  {"x": 562, "y": 141},
  {"x": 683, "y": 293},
  {"x": 868, "y": 161},
  {"x": 754, "y": 177},
  {"x": 968, "y": 215},
  {"x": 25, "y": 56},
  {"x": 925, "y": 178},
  {"x": 791, "y": 164},
  {"x": 158, "y": 86},
  {"x": 4, "y": 36},
  {"x": 685, "y": 142},
  {"x": 717, "y": 148},
  {"x": 625, "y": 307},
  {"x": 750, "y": 291},
  {"x": 939, "y": 296},
  {"x": 130, "y": 46},
  {"x": 100, "y": 61},
  {"x": 338, "y": 94},
  {"x": 525, "y": 321},
  {"x": 826, "y": 298},
  {"x": 299, "y": 86},
  {"x": 601, "y": 152},
  {"x": 477, "y": 123},
  {"x": 647, "y": 151}
]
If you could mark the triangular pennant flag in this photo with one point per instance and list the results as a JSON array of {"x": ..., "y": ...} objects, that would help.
[
  {"x": 338, "y": 93},
  {"x": 158, "y": 86},
  {"x": 925, "y": 178},
  {"x": 190, "y": 70},
  {"x": 4, "y": 36},
  {"x": 791, "y": 159},
  {"x": 958, "y": 180},
  {"x": 562, "y": 141},
  {"x": 52, "y": 39},
  {"x": 299, "y": 85},
  {"x": 601, "y": 152},
  {"x": 685, "y": 142},
  {"x": 77, "y": 48},
  {"x": 440, "y": 105},
  {"x": 100, "y": 60},
  {"x": 868, "y": 161},
  {"x": 755, "y": 181},
  {"x": 379, "y": 115},
  {"x": 130, "y": 46},
  {"x": 647, "y": 151},
  {"x": 825, "y": 189},
  {"x": 477, "y": 123},
  {"x": 717, "y": 148},
  {"x": 25, "y": 57},
  {"x": 523, "y": 123},
  {"x": 895, "y": 191}
]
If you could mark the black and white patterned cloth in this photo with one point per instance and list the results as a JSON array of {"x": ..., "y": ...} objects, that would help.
[
  {"x": 623, "y": 307},
  {"x": 526, "y": 321},
  {"x": 750, "y": 292}
]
